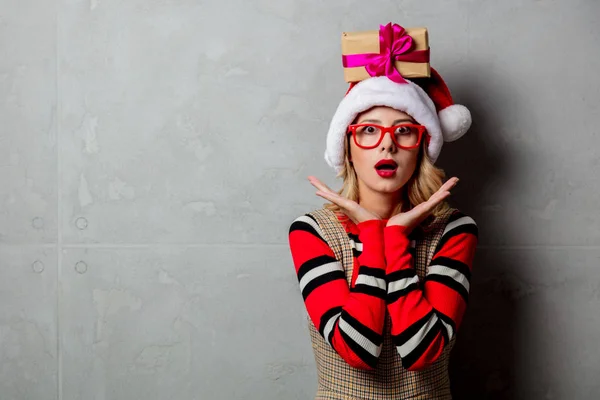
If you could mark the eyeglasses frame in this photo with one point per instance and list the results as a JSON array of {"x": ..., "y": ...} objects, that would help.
[{"x": 384, "y": 129}]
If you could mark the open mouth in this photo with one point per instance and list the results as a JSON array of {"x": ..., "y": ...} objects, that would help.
[
  {"x": 386, "y": 168},
  {"x": 386, "y": 165}
]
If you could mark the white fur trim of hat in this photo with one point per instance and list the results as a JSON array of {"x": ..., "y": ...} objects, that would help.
[{"x": 445, "y": 121}]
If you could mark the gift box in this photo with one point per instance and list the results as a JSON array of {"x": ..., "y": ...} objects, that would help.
[{"x": 375, "y": 53}]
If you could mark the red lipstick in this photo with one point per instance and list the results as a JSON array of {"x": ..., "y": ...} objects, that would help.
[{"x": 386, "y": 168}]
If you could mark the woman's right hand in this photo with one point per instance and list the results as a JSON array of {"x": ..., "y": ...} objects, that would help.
[{"x": 351, "y": 208}]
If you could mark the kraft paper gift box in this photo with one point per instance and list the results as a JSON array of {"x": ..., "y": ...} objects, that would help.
[{"x": 368, "y": 42}]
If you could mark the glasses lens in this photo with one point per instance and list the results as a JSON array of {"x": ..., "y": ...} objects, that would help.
[
  {"x": 367, "y": 135},
  {"x": 406, "y": 135}
]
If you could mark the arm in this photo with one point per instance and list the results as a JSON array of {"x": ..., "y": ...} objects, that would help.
[
  {"x": 350, "y": 320},
  {"x": 426, "y": 315}
]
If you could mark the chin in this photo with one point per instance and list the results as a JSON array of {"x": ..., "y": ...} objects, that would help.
[
  {"x": 382, "y": 185},
  {"x": 388, "y": 185}
]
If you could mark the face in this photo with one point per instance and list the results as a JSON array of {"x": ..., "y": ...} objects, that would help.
[{"x": 365, "y": 160}]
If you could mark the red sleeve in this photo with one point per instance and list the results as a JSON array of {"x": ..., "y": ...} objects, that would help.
[
  {"x": 350, "y": 320},
  {"x": 426, "y": 314}
]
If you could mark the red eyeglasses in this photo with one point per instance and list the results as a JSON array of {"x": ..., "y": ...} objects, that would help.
[{"x": 405, "y": 136}]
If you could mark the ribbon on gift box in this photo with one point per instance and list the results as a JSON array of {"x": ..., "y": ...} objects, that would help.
[{"x": 394, "y": 45}]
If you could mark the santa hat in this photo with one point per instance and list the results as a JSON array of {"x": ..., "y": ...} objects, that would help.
[{"x": 426, "y": 100}]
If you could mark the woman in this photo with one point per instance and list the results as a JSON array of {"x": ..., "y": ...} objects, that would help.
[{"x": 383, "y": 320}]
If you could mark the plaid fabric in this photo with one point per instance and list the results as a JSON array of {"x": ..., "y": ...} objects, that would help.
[{"x": 339, "y": 381}]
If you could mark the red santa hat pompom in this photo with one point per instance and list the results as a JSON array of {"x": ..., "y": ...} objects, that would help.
[{"x": 426, "y": 100}]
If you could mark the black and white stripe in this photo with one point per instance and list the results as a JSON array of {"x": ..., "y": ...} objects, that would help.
[
  {"x": 452, "y": 273},
  {"x": 371, "y": 281},
  {"x": 319, "y": 271},
  {"x": 366, "y": 343},
  {"x": 449, "y": 326},
  {"x": 400, "y": 283},
  {"x": 363, "y": 341},
  {"x": 457, "y": 223},
  {"x": 412, "y": 343},
  {"x": 328, "y": 322},
  {"x": 356, "y": 244},
  {"x": 309, "y": 224}
]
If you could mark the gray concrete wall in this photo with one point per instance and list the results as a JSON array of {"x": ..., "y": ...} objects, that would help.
[{"x": 153, "y": 154}]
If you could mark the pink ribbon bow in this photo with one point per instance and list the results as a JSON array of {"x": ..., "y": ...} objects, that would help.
[{"x": 394, "y": 45}]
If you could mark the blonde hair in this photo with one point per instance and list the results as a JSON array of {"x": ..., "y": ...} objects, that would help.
[{"x": 425, "y": 181}]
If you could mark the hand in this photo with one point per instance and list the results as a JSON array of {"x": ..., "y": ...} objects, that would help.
[
  {"x": 351, "y": 208},
  {"x": 417, "y": 214}
]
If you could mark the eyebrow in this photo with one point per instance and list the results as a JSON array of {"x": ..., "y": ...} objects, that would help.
[{"x": 376, "y": 121}]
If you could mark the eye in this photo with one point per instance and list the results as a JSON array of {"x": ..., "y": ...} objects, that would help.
[
  {"x": 404, "y": 130},
  {"x": 369, "y": 130}
]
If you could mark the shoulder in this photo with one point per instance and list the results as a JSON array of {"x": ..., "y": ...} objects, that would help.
[
  {"x": 457, "y": 216},
  {"x": 308, "y": 221},
  {"x": 458, "y": 221}
]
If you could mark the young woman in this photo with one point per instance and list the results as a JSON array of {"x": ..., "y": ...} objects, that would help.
[{"x": 383, "y": 321}]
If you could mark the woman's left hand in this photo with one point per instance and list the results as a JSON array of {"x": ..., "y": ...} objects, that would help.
[{"x": 416, "y": 215}]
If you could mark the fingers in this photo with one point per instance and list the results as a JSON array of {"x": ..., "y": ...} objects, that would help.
[
  {"x": 353, "y": 209},
  {"x": 319, "y": 185},
  {"x": 444, "y": 190},
  {"x": 324, "y": 191},
  {"x": 343, "y": 202},
  {"x": 450, "y": 183},
  {"x": 329, "y": 196},
  {"x": 442, "y": 193},
  {"x": 350, "y": 207}
]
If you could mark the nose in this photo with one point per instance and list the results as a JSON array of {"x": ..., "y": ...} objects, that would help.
[{"x": 387, "y": 142}]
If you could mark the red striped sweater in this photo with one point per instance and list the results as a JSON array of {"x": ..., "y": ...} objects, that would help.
[{"x": 425, "y": 314}]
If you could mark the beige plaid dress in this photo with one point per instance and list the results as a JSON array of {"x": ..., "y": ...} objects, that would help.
[{"x": 339, "y": 381}]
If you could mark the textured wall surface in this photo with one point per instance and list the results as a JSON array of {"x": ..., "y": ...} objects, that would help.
[{"x": 153, "y": 154}]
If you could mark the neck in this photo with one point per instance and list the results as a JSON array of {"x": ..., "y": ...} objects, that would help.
[{"x": 382, "y": 204}]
